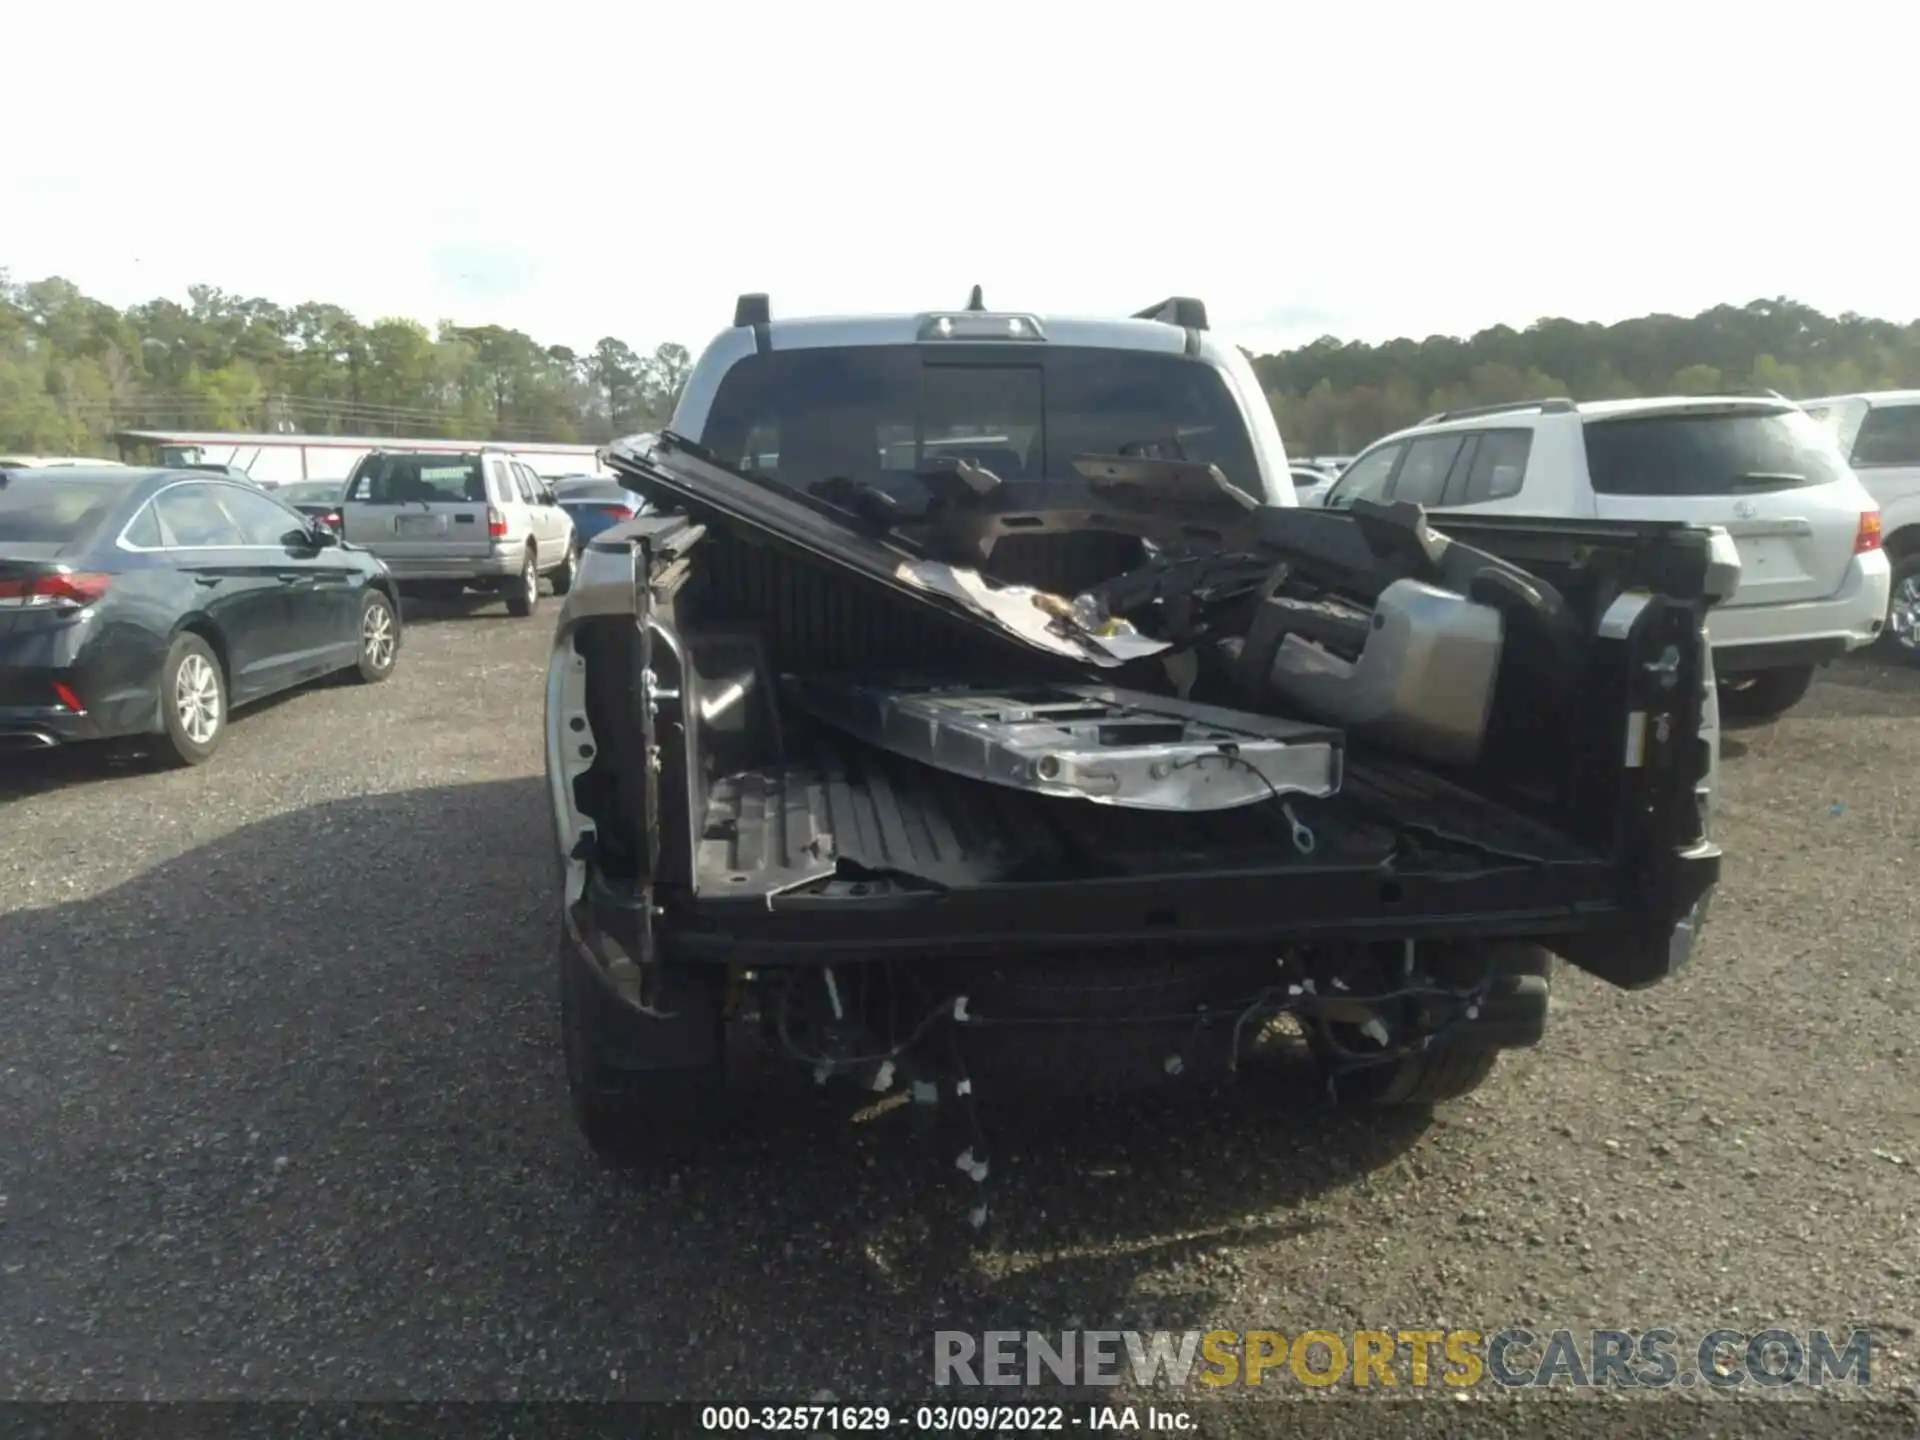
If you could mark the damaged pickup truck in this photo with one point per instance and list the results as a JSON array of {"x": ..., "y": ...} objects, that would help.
[{"x": 971, "y": 706}]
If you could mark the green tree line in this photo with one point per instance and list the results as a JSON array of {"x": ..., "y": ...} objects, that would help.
[
  {"x": 1333, "y": 396},
  {"x": 74, "y": 369}
]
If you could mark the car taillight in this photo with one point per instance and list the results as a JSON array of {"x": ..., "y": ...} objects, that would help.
[
  {"x": 331, "y": 519},
  {"x": 50, "y": 590},
  {"x": 496, "y": 523},
  {"x": 67, "y": 698},
  {"x": 1867, "y": 537},
  {"x": 618, "y": 512}
]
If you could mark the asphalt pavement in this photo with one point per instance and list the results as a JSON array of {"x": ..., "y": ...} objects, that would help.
[{"x": 282, "y": 1113}]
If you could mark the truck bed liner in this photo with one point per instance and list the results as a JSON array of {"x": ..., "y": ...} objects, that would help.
[{"x": 790, "y": 827}]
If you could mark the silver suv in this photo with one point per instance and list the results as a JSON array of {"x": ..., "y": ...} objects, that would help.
[{"x": 441, "y": 521}]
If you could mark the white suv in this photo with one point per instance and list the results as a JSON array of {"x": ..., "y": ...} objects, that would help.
[
  {"x": 1879, "y": 433},
  {"x": 1813, "y": 578}
]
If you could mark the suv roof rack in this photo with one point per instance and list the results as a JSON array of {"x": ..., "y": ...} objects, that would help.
[
  {"x": 1552, "y": 405},
  {"x": 1749, "y": 392},
  {"x": 1181, "y": 310}
]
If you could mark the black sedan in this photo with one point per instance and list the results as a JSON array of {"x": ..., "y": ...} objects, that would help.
[{"x": 141, "y": 602}]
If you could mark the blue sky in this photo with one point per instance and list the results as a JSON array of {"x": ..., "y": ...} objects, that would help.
[{"x": 1369, "y": 170}]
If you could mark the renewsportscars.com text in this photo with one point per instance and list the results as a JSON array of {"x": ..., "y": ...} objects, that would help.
[{"x": 1514, "y": 1357}]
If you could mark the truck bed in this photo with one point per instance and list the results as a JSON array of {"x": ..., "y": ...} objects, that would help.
[
  {"x": 772, "y": 840},
  {"x": 842, "y": 852},
  {"x": 786, "y": 828}
]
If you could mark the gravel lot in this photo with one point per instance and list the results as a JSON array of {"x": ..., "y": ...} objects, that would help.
[{"x": 283, "y": 1113}]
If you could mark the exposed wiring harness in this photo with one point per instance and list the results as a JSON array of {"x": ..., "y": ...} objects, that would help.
[
  {"x": 1229, "y": 753},
  {"x": 1298, "y": 997},
  {"x": 1289, "y": 997}
]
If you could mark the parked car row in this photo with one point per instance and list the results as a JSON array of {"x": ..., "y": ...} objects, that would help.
[
  {"x": 148, "y": 603},
  {"x": 1821, "y": 499},
  {"x": 151, "y": 603}
]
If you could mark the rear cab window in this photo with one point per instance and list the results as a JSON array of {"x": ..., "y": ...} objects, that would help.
[
  {"x": 36, "y": 510},
  {"x": 1709, "y": 452},
  {"x": 875, "y": 415}
]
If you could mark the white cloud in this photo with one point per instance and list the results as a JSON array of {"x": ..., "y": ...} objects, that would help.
[{"x": 582, "y": 170}]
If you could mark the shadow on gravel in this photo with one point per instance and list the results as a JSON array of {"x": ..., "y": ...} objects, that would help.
[
  {"x": 287, "y": 1119},
  {"x": 428, "y": 610},
  {"x": 35, "y": 772},
  {"x": 1868, "y": 683}
]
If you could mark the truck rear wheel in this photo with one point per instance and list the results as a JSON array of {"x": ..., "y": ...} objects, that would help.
[{"x": 632, "y": 1115}]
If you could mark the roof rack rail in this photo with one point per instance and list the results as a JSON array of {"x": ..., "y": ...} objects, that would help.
[
  {"x": 1552, "y": 405},
  {"x": 1181, "y": 310}
]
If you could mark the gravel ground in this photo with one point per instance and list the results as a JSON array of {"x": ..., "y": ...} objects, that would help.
[{"x": 283, "y": 1113}]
